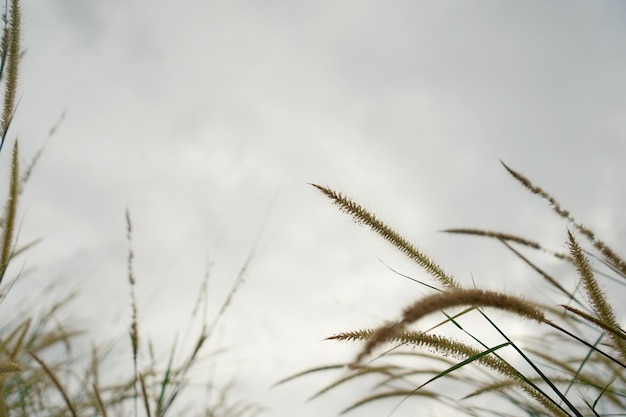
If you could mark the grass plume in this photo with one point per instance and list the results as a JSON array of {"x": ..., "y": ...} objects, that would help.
[
  {"x": 10, "y": 57},
  {"x": 601, "y": 307},
  {"x": 10, "y": 213},
  {"x": 447, "y": 299},
  {"x": 363, "y": 216},
  {"x": 609, "y": 254}
]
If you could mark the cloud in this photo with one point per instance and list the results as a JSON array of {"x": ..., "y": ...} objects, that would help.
[{"x": 197, "y": 115}]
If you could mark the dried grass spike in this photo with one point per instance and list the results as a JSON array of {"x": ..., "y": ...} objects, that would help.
[
  {"x": 9, "y": 367},
  {"x": 57, "y": 384},
  {"x": 447, "y": 299},
  {"x": 12, "y": 34},
  {"x": 10, "y": 212},
  {"x": 600, "y": 305},
  {"x": 609, "y": 254},
  {"x": 496, "y": 235},
  {"x": 362, "y": 216}
]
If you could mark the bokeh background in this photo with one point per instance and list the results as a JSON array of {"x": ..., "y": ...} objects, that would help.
[{"x": 208, "y": 119}]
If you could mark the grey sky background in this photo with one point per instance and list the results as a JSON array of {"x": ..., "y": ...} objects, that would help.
[{"x": 208, "y": 119}]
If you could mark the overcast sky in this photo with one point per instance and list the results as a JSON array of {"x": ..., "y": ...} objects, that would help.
[{"x": 208, "y": 119}]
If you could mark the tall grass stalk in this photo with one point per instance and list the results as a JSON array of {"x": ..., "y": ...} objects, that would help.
[{"x": 572, "y": 364}]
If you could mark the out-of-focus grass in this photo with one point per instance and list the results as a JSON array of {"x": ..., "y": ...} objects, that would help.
[{"x": 40, "y": 371}]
